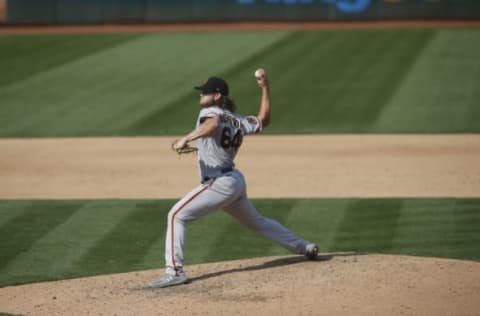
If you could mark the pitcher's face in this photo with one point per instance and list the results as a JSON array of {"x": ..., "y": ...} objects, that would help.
[{"x": 209, "y": 99}]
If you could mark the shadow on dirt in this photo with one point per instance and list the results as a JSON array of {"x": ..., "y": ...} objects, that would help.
[{"x": 275, "y": 263}]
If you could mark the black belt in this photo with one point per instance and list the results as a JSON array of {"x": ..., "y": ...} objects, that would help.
[{"x": 224, "y": 170}]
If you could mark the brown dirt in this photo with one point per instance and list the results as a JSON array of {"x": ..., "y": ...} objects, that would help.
[
  {"x": 299, "y": 166},
  {"x": 341, "y": 284},
  {"x": 233, "y": 26}
]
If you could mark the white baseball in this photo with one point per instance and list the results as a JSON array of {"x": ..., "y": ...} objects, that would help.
[{"x": 259, "y": 73}]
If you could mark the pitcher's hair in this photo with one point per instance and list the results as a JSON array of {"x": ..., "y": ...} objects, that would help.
[{"x": 227, "y": 103}]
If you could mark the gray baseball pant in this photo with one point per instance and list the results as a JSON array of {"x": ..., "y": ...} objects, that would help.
[{"x": 227, "y": 192}]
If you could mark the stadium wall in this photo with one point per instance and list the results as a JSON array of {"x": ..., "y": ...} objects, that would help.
[{"x": 159, "y": 11}]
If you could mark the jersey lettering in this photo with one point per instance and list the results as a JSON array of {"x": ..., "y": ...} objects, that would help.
[
  {"x": 227, "y": 141},
  {"x": 233, "y": 121}
]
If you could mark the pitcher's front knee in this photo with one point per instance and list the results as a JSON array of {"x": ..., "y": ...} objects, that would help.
[{"x": 178, "y": 217}]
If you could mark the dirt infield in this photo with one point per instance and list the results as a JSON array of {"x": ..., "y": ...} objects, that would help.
[
  {"x": 300, "y": 166},
  {"x": 233, "y": 26},
  {"x": 340, "y": 284}
]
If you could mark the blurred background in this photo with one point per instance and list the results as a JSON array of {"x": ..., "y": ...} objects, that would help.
[{"x": 158, "y": 11}]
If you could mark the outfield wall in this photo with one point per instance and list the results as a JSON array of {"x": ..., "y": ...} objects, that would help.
[{"x": 157, "y": 11}]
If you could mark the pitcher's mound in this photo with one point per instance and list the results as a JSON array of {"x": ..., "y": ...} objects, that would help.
[{"x": 338, "y": 284}]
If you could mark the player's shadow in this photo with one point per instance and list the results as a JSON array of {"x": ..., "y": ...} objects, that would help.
[{"x": 272, "y": 264}]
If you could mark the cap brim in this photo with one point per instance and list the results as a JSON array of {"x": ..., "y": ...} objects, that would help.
[{"x": 204, "y": 89}]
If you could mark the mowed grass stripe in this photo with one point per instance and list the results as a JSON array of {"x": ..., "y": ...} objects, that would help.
[
  {"x": 38, "y": 219},
  {"x": 368, "y": 225},
  {"x": 439, "y": 227},
  {"x": 126, "y": 232},
  {"x": 125, "y": 246},
  {"x": 318, "y": 220},
  {"x": 11, "y": 209},
  {"x": 330, "y": 81},
  {"x": 440, "y": 92},
  {"x": 56, "y": 253},
  {"x": 186, "y": 105},
  {"x": 466, "y": 226},
  {"x": 315, "y": 85},
  {"x": 27, "y": 55},
  {"x": 339, "y": 81},
  {"x": 109, "y": 91},
  {"x": 154, "y": 257}
]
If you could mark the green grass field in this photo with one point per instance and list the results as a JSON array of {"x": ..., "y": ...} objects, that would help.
[
  {"x": 45, "y": 240},
  {"x": 377, "y": 81}
]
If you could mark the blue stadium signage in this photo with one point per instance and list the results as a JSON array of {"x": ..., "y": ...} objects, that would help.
[{"x": 347, "y": 6}]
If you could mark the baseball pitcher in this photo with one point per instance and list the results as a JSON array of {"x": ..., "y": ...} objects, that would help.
[{"x": 219, "y": 133}]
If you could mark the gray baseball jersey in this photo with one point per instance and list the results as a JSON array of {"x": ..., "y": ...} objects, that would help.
[
  {"x": 223, "y": 187},
  {"x": 217, "y": 153}
]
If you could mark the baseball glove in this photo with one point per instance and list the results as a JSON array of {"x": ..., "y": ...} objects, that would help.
[{"x": 187, "y": 149}]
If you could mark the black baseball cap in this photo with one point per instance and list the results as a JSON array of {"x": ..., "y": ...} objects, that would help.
[{"x": 214, "y": 84}]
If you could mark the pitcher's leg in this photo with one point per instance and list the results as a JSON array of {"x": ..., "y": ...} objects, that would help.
[
  {"x": 244, "y": 211},
  {"x": 199, "y": 202}
]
